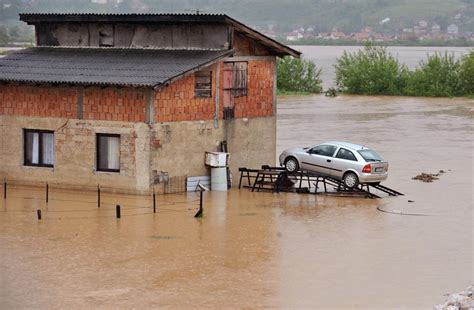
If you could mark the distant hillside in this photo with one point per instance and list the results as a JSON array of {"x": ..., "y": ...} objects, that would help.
[{"x": 322, "y": 15}]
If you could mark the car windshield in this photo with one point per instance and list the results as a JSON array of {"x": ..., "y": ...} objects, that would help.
[{"x": 370, "y": 155}]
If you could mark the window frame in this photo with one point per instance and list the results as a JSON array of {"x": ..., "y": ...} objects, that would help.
[
  {"x": 239, "y": 91},
  {"x": 105, "y": 135},
  {"x": 40, "y": 133},
  {"x": 340, "y": 149},
  {"x": 200, "y": 74}
]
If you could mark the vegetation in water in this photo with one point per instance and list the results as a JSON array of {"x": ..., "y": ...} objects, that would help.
[
  {"x": 466, "y": 75},
  {"x": 371, "y": 71},
  {"x": 436, "y": 77},
  {"x": 374, "y": 71},
  {"x": 298, "y": 76}
]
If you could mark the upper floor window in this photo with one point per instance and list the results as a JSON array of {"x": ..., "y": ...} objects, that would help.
[
  {"x": 203, "y": 83},
  {"x": 240, "y": 79},
  {"x": 38, "y": 148},
  {"x": 108, "y": 152}
]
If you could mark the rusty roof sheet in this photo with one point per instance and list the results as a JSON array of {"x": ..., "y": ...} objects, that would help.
[{"x": 104, "y": 66}]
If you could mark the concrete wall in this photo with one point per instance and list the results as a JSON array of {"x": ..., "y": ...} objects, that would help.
[
  {"x": 176, "y": 147},
  {"x": 179, "y": 147},
  {"x": 75, "y": 153}
]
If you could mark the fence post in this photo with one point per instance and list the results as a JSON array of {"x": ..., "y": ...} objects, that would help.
[
  {"x": 38, "y": 213},
  {"x": 154, "y": 201},
  {"x": 4, "y": 189},
  {"x": 47, "y": 192},
  {"x": 98, "y": 196},
  {"x": 199, "y": 214},
  {"x": 117, "y": 211}
]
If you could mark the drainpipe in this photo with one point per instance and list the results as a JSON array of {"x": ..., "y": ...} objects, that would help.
[{"x": 217, "y": 95}]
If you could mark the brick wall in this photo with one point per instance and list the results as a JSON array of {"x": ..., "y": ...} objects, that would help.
[
  {"x": 259, "y": 99},
  {"x": 38, "y": 101},
  {"x": 114, "y": 104},
  {"x": 176, "y": 102}
]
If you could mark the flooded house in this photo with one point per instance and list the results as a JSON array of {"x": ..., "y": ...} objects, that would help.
[{"x": 123, "y": 99}]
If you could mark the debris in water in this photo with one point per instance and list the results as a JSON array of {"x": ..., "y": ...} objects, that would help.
[
  {"x": 461, "y": 300},
  {"x": 428, "y": 177},
  {"x": 248, "y": 214},
  {"x": 163, "y": 237}
]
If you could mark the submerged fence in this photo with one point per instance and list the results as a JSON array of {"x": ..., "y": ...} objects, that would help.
[{"x": 108, "y": 202}]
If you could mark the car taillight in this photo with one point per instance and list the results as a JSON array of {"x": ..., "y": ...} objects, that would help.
[{"x": 367, "y": 169}]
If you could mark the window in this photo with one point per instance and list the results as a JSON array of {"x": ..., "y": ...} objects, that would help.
[
  {"x": 240, "y": 79},
  {"x": 235, "y": 73},
  {"x": 324, "y": 150},
  {"x": 203, "y": 84},
  {"x": 108, "y": 152},
  {"x": 38, "y": 148},
  {"x": 346, "y": 154}
]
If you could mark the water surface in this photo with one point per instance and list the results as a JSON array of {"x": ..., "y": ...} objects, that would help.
[{"x": 255, "y": 250}]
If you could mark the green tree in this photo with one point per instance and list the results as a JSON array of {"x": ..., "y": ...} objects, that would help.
[
  {"x": 371, "y": 71},
  {"x": 298, "y": 75},
  {"x": 438, "y": 76},
  {"x": 466, "y": 74}
]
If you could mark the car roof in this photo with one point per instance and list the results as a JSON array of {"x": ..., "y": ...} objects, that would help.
[{"x": 353, "y": 146}]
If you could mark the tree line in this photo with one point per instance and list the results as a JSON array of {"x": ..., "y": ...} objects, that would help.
[{"x": 374, "y": 71}]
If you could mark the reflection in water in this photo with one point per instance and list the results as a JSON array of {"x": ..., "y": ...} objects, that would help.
[{"x": 256, "y": 250}]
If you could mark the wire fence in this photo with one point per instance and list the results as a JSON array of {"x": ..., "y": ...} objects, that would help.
[{"x": 92, "y": 199}]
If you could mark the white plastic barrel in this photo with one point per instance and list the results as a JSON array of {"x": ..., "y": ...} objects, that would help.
[{"x": 219, "y": 179}]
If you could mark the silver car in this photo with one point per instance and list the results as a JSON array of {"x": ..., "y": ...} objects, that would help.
[{"x": 353, "y": 164}]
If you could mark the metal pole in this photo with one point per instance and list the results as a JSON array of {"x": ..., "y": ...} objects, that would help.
[
  {"x": 4, "y": 189},
  {"x": 38, "y": 213},
  {"x": 47, "y": 192},
  {"x": 200, "y": 212},
  {"x": 154, "y": 201},
  {"x": 98, "y": 196},
  {"x": 117, "y": 211}
]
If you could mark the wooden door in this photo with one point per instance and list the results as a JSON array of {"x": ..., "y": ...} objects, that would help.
[{"x": 228, "y": 91}]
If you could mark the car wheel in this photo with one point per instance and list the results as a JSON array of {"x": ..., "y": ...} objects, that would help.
[
  {"x": 291, "y": 164},
  {"x": 350, "y": 180}
]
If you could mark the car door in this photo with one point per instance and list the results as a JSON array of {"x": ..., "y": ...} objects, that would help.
[
  {"x": 319, "y": 159},
  {"x": 342, "y": 161}
]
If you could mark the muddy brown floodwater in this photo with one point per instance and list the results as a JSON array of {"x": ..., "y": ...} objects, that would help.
[{"x": 254, "y": 250}]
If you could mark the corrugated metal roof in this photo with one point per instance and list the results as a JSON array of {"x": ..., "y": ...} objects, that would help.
[
  {"x": 103, "y": 66},
  {"x": 33, "y": 18}
]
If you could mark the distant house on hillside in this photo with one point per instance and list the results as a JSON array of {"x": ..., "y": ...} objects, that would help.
[
  {"x": 453, "y": 29},
  {"x": 435, "y": 29},
  {"x": 293, "y": 36},
  {"x": 338, "y": 35},
  {"x": 335, "y": 35},
  {"x": 360, "y": 36},
  {"x": 423, "y": 24}
]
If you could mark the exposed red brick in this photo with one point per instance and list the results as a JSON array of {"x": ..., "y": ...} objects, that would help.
[{"x": 37, "y": 101}]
